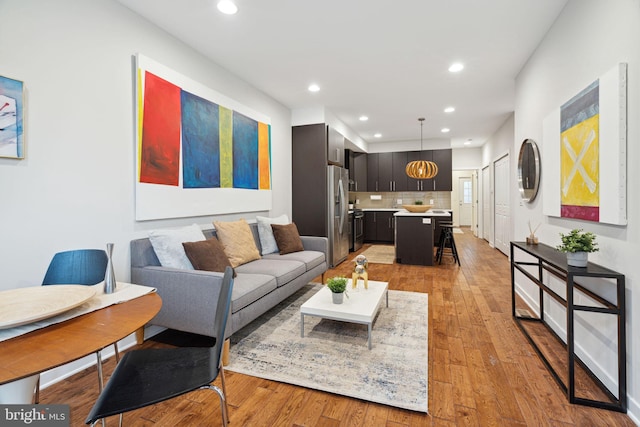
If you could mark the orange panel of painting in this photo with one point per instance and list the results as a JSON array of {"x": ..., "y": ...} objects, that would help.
[{"x": 264, "y": 166}]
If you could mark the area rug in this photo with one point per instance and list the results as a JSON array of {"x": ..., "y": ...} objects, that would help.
[
  {"x": 458, "y": 231},
  {"x": 380, "y": 254},
  {"x": 333, "y": 356}
]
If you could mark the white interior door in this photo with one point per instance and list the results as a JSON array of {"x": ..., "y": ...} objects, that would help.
[
  {"x": 486, "y": 204},
  {"x": 502, "y": 213},
  {"x": 465, "y": 200}
]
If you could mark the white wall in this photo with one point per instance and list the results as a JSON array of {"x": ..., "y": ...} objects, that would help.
[
  {"x": 76, "y": 186},
  {"x": 589, "y": 38},
  {"x": 75, "y": 189}
]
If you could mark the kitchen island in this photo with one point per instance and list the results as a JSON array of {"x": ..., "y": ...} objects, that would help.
[{"x": 416, "y": 234}]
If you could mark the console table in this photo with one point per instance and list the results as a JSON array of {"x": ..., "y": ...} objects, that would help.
[{"x": 550, "y": 260}]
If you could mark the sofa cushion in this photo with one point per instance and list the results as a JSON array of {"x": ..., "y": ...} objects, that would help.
[
  {"x": 167, "y": 244},
  {"x": 238, "y": 242},
  {"x": 287, "y": 238},
  {"x": 248, "y": 288},
  {"x": 207, "y": 255},
  {"x": 283, "y": 270},
  {"x": 267, "y": 241},
  {"x": 311, "y": 259}
]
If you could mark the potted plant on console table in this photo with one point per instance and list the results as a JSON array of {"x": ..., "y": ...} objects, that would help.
[
  {"x": 338, "y": 287},
  {"x": 577, "y": 245}
]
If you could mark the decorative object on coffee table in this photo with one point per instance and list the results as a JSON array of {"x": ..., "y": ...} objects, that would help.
[
  {"x": 338, "y": 287},
  {"x": 577, "y": 244},
  {"x": 360, "y": 271}
]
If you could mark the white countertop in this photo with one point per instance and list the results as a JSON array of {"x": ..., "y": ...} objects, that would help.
[
  {"x": 430, "y": 212},
  {"x": 382, "y": 209}
]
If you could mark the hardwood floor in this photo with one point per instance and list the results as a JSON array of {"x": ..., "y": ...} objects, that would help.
[{"x": 482, "y": 370}]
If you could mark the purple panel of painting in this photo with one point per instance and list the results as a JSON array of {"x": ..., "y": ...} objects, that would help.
[
  {"x": 245, "y": 152},
  {"x": 200, "y": 142}
]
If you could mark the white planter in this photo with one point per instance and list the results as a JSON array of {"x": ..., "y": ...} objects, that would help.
[
  {"x": 577, "y": 259},
  {"x": 337, "y": 297}
]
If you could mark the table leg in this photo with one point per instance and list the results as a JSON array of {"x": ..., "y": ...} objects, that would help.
[
  {"x": 301, "y": 325},
  {"x": 369, "y": 335},
  {"x": 387, "y": 298}
]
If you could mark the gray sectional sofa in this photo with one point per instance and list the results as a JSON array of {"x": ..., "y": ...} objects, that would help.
[{"x": 188, "y": 296}]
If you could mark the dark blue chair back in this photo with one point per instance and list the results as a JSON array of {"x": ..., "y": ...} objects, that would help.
[{"x": 77, "y": 267}]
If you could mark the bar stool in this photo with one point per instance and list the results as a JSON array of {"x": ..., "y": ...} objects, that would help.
[{"x": 447, "y": 245}]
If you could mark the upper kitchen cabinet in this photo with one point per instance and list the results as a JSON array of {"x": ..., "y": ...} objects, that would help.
[
  {"x": 357, "y": 164},
  {"x": 335, "y": 147},
  {"x": 443, "y": 181},
  {"x": 386, "y": 171}
]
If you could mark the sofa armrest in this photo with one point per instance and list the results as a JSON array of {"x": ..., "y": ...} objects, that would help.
[
  {"x": 315, "y": 243},
  {"x": 189, "y": 297}
]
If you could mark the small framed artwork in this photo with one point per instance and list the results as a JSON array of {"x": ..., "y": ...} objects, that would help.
[{"x": 11, "y": 118}]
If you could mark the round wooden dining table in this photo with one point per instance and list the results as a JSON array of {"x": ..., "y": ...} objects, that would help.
[{"x": 64, "y": 342}]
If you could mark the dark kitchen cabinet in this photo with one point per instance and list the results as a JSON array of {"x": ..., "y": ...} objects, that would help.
[
  {"x": 419, "y": 184},
  {"x": 309, "y": 183},
  {"x": 335, "y": 147},
  {"x": 357, "y": 164},
  {"x": 370, "y": 229},
  {"x": 443, "y": 181},
  {"x": 414, "y": 235},
  {"x": 372, "y": 172},
  {"x": 386, "y": 171},
  {"x": 379, "y": 226}
]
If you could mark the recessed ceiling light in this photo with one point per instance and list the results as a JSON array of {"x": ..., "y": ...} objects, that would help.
[
  {"x": 364, "y": 118},
  {"x": 449, "y": 110},
  {"x": 377, "y": 135},
  {"x": 456, "y": 66},
  {"x": 445, "y": 130},
  {"x": 314, "y": 88},
  {"x": 227, "y": 7},
  {"x": 467, "y": 143}
]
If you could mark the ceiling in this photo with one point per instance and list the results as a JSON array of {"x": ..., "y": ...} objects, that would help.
[{"x": 387, "y": 60}]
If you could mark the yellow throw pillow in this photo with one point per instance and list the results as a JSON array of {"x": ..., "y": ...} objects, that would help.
[{"x": 237, "y": 240}]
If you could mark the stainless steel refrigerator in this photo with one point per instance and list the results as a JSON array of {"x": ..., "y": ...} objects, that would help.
[{"x": 338, "y": 211}]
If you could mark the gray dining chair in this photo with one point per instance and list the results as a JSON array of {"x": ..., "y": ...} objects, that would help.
[
  {"x": 78, "y": 267},
  {"x": 149, "y": 376}
]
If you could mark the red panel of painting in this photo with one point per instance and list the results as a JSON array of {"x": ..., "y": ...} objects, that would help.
[
  {"x": 589, "y": 213},
  {"x": 160, "y": 150}
]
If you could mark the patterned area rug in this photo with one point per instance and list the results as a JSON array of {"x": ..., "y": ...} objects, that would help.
[
  {"x": 334, "y": 357},
  {"x": 380, "y": 254}
]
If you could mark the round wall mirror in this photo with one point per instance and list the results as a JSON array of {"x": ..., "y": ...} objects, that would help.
[{"x": 528, "y": 170}]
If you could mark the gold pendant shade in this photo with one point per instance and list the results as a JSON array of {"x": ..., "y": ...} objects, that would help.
[{"x": 421, "y": 169}]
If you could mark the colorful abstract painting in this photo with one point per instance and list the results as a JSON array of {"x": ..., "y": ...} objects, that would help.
[
  {"x": 584, "y": 152},
  {"x": 198, "y": 152},
  {"x": 11, "y": 118},
  {"x": 579, "y": 155}
]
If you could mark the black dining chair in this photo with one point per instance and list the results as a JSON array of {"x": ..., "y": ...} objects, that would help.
[
  {"x": 78, "y": 267},
  {"x": 149, "y": 376}
]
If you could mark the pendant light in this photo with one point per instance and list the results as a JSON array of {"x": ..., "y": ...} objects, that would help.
[{"x": 421, "y": 169}]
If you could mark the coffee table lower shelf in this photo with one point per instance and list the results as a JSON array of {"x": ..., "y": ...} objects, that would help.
[{"x": 361, "y": 307}]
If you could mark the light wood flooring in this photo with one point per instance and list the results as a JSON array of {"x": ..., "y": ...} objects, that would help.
[{"x": 482, "y": 371}]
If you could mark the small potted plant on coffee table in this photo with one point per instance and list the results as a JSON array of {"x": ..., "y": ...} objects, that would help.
[
  {"x": 338, "y": 287},
  {"x": 577, "y": 246}
]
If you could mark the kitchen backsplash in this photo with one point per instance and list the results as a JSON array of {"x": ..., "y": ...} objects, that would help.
[{"x": 362, "y": 200}]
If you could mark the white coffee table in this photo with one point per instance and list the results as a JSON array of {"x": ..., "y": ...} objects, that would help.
[{"x": 361, "y": 306}]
